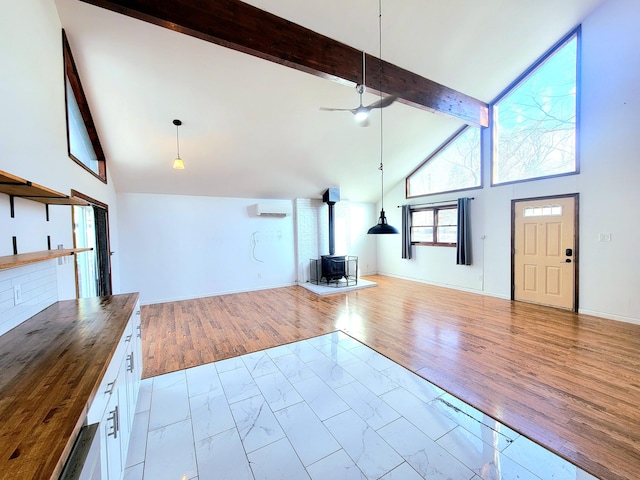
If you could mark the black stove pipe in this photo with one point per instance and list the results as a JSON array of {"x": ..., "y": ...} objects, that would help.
[
  {"x": 332, "y": 234},
  {"x": 330, "y": 197}
]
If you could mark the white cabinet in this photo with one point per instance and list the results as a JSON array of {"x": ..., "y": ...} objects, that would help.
[
  {"x": 115, "y": 402},
  {"x": 111, "y": 457}
]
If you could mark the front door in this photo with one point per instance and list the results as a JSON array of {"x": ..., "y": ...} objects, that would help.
[{"x": 544, "y": 253}]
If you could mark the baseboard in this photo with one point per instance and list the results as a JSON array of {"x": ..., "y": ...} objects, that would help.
[
  {"x": 448, "y": 285},
  {"x": 609, "y": 316}
]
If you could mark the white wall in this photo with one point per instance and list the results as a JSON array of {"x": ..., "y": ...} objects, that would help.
[
  {"x": 33, "y": 137},
  {"x": 175, "y": 247},
  {"x": 607, "y": 184}
]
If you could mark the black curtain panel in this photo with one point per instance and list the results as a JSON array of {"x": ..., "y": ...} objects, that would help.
[
  {"x": 463, "y": 256},
  {"x": 406, "y": 231}
]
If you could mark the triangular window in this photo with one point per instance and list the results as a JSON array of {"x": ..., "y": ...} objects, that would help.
[
  {"x": 534, "y": 131},
  {"x": 454, "y": 166}
]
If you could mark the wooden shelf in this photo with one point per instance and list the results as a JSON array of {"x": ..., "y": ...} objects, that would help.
[
  {"x": 19, "y": 187},
  {"x": 11, "y": 261}
]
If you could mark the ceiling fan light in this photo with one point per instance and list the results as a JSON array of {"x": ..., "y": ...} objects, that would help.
[
  {"x": 361, "y": 115},
  {"x": 178, "y": 164}
]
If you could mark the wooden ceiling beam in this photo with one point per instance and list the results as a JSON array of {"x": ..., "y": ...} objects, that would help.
[{"x": 245, "y": 28}]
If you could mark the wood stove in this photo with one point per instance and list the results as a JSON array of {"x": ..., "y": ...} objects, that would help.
[
  {"x": 338, "y": 270},
  {"x": 334, "y": 269}
]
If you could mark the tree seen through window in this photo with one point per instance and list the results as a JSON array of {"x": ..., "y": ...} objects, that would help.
[
  {"x": 454, "y": 166},
  {"x": 535, "y": 122}
]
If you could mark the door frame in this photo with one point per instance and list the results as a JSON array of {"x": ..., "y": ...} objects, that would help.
[
  {"x": 576, "y": 235},
  {"x": 93, "y": 201}
]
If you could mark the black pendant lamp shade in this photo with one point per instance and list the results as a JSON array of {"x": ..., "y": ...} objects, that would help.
[{"x": 382, "y": 227}]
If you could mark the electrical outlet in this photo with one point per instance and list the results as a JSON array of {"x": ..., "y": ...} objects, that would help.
[
  {"x": 604, "y": 237},
  {"x": 17, "y": 295}
]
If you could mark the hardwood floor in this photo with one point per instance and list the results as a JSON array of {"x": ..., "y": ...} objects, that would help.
[{"x": 570, "y": 382}]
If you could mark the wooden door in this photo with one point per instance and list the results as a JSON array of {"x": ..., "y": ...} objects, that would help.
[{"x": 544, "y": 251}]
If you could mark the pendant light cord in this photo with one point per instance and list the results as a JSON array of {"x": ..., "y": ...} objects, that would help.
[
  {"x": 177, "y": 141},
  {"x": 380, "y": 91},
  {"x": 364, "y": 69}
]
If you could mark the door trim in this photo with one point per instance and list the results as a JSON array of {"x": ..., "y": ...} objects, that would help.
[
  {"x": 93, "y": 201},
  {"x": 576, "y": 233}
]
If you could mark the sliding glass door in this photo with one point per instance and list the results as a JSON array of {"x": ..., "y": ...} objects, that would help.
[{"x": 91, "y": 230}]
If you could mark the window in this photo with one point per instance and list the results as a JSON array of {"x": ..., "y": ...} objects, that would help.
[
  {"x": 535, "y": 120},
  {"x": 434, "y": 226},
  {"x": 543, "y": 211},
  {"x": 82, "y": 138},
  {"x": 454, "y": 166}
]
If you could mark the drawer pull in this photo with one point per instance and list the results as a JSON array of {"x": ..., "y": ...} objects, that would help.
[
  {"x": 115, "y": 425},
  {"x": 109, "y": 389},
  {"x": 128, "y": 338},
  {"x": 130, "y": 362}
]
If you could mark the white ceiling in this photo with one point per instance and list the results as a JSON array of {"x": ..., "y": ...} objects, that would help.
[{"x": 253, "y": 129}]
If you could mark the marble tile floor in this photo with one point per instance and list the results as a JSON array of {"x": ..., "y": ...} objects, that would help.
[{"x": 327, "y": 408}]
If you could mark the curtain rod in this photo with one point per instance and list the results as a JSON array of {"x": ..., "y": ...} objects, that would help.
[{"x": 435, "y": 203}]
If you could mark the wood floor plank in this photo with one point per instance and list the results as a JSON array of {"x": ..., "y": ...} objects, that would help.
[{"x": 570, "y": 382}]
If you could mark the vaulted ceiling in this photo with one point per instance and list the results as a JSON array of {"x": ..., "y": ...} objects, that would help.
[{"x": 253, "y": 128}]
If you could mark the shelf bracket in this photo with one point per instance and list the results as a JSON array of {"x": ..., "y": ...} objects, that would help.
[
  {"x": 15, "y": 246},
  {"x": 13, "y": 212},
  {"x": 46, "y": 207}
]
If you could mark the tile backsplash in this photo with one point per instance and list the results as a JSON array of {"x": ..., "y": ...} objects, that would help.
[{"x": 38, "y": 286}]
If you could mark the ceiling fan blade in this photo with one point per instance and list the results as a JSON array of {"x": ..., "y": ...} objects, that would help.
[
  {"x": 325, "y": 109},
  {"x": 383, "y": 102}
]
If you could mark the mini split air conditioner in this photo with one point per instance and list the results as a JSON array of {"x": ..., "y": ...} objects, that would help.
[{"x": 271, "y": 210}]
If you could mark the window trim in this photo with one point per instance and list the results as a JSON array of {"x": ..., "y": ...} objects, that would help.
[
  {"x": 435, "y": 209},
  {"x": 435, "y": 153},
  {"x": 71, "y": 73},
  {"x": 577, "y": 33}
]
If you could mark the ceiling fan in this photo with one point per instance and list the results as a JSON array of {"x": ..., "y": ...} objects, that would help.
[{"x": 361, "y": 113}]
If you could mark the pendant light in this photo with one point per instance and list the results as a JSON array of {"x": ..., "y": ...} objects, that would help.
[
  {"x": 382, "y": 227},
  {"x": 178, "y": 164}
]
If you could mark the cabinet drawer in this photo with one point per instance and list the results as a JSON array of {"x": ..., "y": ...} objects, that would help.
[{"x": 107, "y": 385}]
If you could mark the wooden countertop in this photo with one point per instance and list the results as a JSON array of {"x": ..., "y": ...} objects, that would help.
[{"x": 50, "y": 368}]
